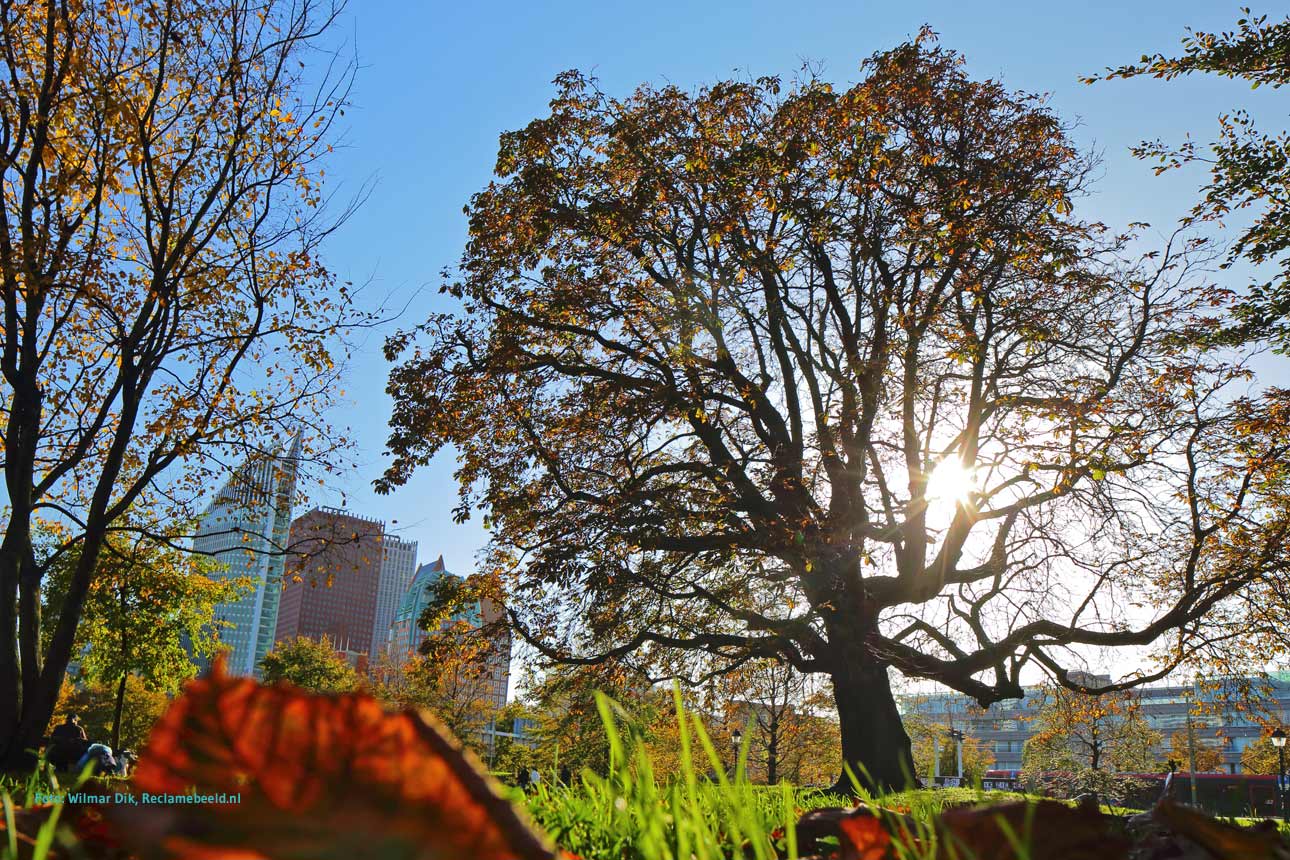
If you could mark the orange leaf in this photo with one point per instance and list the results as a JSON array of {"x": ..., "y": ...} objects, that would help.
[
  {"x": 315, "y": 776},
  {"x": 863, "y": 838}
]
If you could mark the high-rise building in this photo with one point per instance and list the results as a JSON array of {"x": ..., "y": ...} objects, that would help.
[
  {"x": 406, "y": 635},
  {"x": 332, "y": 579},
  {"x": 398, "y": 566},
  {"x": 245, "y": 528}
]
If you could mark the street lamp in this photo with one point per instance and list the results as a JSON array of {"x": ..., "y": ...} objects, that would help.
[
  {"x": 738, "y": 737},
  {"x": 1279, "y": 741}
]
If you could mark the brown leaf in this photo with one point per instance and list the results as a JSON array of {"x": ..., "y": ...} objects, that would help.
[
  {"x": 318, "y": 777},
  {"x": 1048, "y": 830},
  {"x": 1221, "y": 839}
]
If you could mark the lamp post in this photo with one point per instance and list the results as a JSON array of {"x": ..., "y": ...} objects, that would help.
[
  {"x": 738, "y": 737},
  {"x": 1279, "y": 741}
]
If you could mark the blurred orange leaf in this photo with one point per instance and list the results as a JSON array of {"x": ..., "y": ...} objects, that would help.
[
  {"x": 314, "y": 776},
  {"x": 863, "y": 837}
]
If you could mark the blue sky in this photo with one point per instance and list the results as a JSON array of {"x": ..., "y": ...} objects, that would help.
[{"x": 438, "y": 82}]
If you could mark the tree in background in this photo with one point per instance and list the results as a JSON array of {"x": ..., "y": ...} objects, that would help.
[
  {"x": 570, "y": 731},
  {"x": 778, "y": 707},
  {"x": 762, "y": 697},
  {"x": 1260, "y": 756},
  {"x": 161, "y": 216},
  {"x": 1249, "y": 169},
  {"x": 813, "y": 756},
  {"x": 106, "y": 714},
  {"x": 925, "y": 735},
  {"x": 509, "y": 755},
  {"x": 149, "y": 611},
  {"x": 1209, "y": 757},
  {"x": 311, "y": 664},
  {"x": 452, "y": 677},
  {"x": 834, "y": 376},
  {"x": 1082, "y": 741}
]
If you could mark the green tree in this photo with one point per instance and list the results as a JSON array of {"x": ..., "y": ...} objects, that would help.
[
  {"x": 150, "y": 609},
  {"x": 1249, "y": 168},
  {"x": 105, "y": 713},
  {"x": 1083, "y": 743},
  {"x": 311, "y": 664},
  {"x": 834, "y": 376},
  {"x": 570, "y": 731}
]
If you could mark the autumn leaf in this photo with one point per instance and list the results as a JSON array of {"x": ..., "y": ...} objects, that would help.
[
  {"x": 1047, "y": 830},
  {"x": 315, "y": 776},
  {"x": 863, "y": 837}
]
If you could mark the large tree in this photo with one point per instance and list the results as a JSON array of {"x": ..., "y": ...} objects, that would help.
[
  {"x": 836, "y": 376},
  {"x": 163, "y": 304}
]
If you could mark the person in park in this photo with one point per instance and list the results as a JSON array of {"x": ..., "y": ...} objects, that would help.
[
  {"x": 68, "y": 742},
  {"x": 102, "y": 758}
]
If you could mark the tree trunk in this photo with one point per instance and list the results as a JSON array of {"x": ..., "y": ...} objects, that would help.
[
  {"x": 874, "y": 743},
  {"x": 772, "y": 752},
  {"x": 40, "y": 689},
  {"x": 116, "y": 715}
]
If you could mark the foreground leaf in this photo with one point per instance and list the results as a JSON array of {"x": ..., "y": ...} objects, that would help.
[
  {"x": 318, "y": 777},
  {"x": 1221, "y": 839},
  {"x": 1046, "y": 830}
]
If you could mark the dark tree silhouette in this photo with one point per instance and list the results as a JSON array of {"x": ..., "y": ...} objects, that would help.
[{"x": 835, "y": 377}]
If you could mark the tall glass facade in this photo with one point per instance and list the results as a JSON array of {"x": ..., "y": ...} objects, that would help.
[{"x": 245, "y": 528}]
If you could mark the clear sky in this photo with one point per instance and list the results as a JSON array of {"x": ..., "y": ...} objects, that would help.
[{"x": 439, "y": 81}]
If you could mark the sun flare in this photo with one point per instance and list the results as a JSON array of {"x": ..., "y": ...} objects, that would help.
[{"x": 952, "y": 481}]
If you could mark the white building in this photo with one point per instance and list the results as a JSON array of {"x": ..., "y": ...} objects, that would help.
[{"x": 398, "y": 565}]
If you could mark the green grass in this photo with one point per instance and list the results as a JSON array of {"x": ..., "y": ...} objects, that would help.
[{"x": 629, "y": 814}]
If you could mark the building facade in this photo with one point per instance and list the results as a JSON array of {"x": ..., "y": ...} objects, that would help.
[
  {"x": 1006, "y": 726},
  {"x": 245, "y": 528},
  {"x": 406, "y": 635},
  {"x": 398, "y": 566},
  {"x": 332, "y": 580}
]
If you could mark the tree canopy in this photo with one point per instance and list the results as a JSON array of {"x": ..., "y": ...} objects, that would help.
[
  {"x": 311, "y": 664},
  {"x": 164, "y": 304},
  {"x": 1249, "y": 168},
  {"x": 837, "y": 376}
]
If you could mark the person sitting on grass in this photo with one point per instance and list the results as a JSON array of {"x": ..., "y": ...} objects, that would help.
[{"x": 67, "y": 743}]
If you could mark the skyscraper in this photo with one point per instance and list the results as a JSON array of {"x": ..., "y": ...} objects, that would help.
[
  {"x": 245, "y": 528},
  {"x": 398, "y": 565},
  {"x": 332, "y": 579},
  {"x": 406, "y": 635}
]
